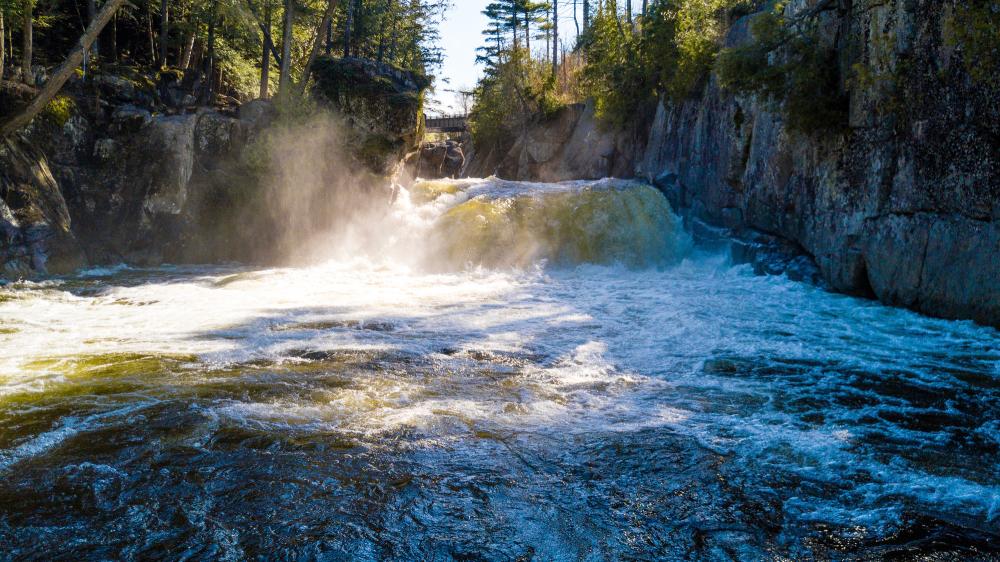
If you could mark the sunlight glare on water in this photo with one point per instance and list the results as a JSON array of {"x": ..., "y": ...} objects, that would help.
[{"x": 549, "y": 401}]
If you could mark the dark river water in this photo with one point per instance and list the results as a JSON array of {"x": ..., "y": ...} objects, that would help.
[{"x": 369, "y": 409}]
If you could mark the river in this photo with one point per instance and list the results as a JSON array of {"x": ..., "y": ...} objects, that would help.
[{"x": 574, "y": 382}]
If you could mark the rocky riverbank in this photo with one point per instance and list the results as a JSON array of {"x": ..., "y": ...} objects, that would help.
[
  {"x": 903, "y": 204},
  {"x": 125, "y": 169}
]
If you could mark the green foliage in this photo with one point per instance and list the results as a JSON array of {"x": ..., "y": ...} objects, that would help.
[
  {"x": 241, "y": 74},
  {"x": 786, "y": 64},
  {"x": 617, "y": 76},
  {"x": 975, "y": 29},
  {"x": 700, "y": 27},
  {"x": 671, "y": 52},
  {"x": 338, "y": 79},
  {"x": 518, "y": 89},
  {"x": 399, "y": 32}
]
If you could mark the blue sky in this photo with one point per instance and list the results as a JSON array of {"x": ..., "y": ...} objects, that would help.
[{"x": 461, "y": 32}]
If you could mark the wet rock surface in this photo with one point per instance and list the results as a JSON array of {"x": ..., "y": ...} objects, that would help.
[{"x": 35, "y": 230}]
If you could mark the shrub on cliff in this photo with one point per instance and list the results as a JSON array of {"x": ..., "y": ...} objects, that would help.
[
  {"x": 786, "y": 62},
  {"x": 516, "y": 90},
  {"x": 670, "y": 51}
]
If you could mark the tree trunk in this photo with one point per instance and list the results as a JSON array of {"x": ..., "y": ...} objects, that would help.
[
  {"x": 3, "y": 47},
  {"x": 645, "y": 7},
  {"x": 331, "y": 6},
  {"x": 516, "y": 28},
  {"x": 209, "y": 76},
  {"x": 26, "y": 75},
  {"x": 188, "y": 50},
  {"x": 548, "y": 35},
  {"x": 149, "y": 32},
  {"x": 347, "y": 27},
  {"x": 393, "y": 39},
  {"x": 285, "y": 80},
  {"x": 10, "y": 43},
  {"x": 91, "y": 14},
  {"x": 380, "y": 54},
  {"x": 576, "y": 22},
  {"x": 61, "y": 74},
  {"x": 586, "y": 15},
  {"x": 197, "y": 53},
  {"x": 527, "y": 32},
  {"x": 164, "y": 31},
  {"x": 265, "y": 57},
  {"x": 114, "y": 39},
  {"x": 329, "y": 38},
  {"x": 555, "y": 39},
  {"x": 628, "y": 10},
  {"x": 266, "y": 31}
]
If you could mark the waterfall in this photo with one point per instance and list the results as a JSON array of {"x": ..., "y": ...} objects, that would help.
[{"x": 494, "y": 222}]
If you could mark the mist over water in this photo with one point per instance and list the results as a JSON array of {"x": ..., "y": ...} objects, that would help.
[{"x": 585, "y": 387}]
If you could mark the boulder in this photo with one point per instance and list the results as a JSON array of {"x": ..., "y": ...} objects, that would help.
[
  {"x": 443, "y": 159},
  {"x": 35, "y": 226}
]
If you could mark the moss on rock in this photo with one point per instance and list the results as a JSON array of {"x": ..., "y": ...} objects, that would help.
[{"x": 59, "y": 110}]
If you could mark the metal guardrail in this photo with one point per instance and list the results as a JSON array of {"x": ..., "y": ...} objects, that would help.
[{"x": 447, "y": 123}]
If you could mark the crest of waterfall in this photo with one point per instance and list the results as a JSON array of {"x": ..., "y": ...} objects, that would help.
[{"x": 496, "y": 223}]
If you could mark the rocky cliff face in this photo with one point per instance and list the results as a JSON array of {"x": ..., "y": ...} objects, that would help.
[
  {"x": 904, "y": 205},
  {"x": 135, "y": 187},
  {"x": 569, "y": 145},
  {"x": 381, "y": 103},
  {"x": 113, "y": 173},
  {"x": 123, "y": 168},
  {"x": 435, "y": 160},
  {"x": 34, "y": 219}
]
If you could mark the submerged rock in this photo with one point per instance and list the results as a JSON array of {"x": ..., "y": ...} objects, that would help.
[{"x": 771, "y": 255}]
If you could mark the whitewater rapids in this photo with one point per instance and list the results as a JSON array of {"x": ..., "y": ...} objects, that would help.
[{"x": 505, "y": 371}]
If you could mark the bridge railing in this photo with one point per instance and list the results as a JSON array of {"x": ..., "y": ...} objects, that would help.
[{"x": 447, "y": 123}]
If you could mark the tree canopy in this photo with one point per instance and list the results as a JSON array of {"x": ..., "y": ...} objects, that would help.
[{"x": 236, "y": 45}]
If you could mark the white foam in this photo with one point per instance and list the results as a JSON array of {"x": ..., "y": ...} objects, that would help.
[{"x": 581, "y": 349}]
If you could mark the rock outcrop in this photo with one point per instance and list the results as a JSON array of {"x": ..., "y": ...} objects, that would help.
[
  {"x": 435, "y": 160},
  {"x": 125, "y": 169},
  {"x": 381, "y": 105},
  {"x": 568, "y": 145},
  {"x": 903, "y": 205},
  {"x": 136, "y": 185},
  {"x": 35, "y": 226}
]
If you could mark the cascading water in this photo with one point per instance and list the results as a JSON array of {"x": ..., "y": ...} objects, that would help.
[{"x": 496, "y": 371}]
